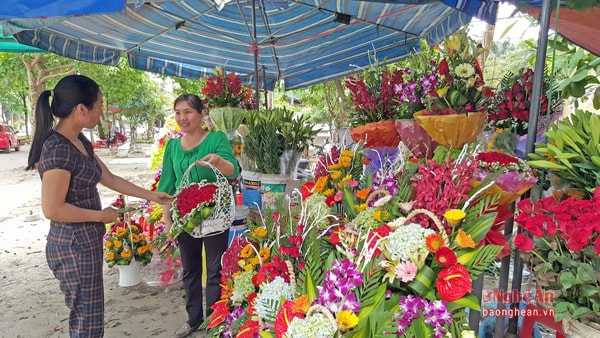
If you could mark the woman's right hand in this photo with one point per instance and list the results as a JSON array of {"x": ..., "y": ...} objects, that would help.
[{"x": 109, "y": 215}]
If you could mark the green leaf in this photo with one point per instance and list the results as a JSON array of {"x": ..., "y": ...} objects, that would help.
[
  {"x": 588, "y": 290},
  {"x": 586, "y": 273},
  {"x": 567, "y": 280},
  {"x": 480, "y": 227},
  {"x": 577, "y": 89},
  {"x": 265, "y": 334},
  {"x": 421, "y": 328},
  {"x": 580, "y": 312},
  {"x": 422, "y": 284},
  {"x": 469, "y": 301}
]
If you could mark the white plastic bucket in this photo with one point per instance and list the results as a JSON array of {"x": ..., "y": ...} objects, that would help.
[
  {"x": 129, "y": 275},
  {"x": 273, "y": 188}
]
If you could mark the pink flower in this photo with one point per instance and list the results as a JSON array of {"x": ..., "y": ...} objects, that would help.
[{"x": 406, "y": 271}]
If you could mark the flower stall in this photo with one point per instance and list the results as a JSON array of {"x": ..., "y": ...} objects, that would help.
[{"x": 392, "y": 251}]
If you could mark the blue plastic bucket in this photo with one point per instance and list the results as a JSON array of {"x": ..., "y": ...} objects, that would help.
[
  {"x": 239, "y": 225},
  {"x": 251, "y": 189}
]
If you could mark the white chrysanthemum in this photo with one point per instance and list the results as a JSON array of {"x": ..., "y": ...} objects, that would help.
[
  {"x": 315, "y": 325},
  {"x": 407, "y": 242},
  {"x": 464, "y": 70},
  {"x": 271, "y": 297},
  {"x": 242, "y": 287}
]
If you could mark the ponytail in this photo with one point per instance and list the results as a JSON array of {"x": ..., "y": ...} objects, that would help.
[{"x": 43, "y": 125}]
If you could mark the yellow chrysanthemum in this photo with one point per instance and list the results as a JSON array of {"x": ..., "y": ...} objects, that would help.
[
  {"x": 345, "y": 161},
  {"x": 126, "y": 253},
  {"x": 108, "y": 244},
  {"x": 135, "y": 238},
  {"x": 334, "y": 166},
  {"x": 259, "y": 232},
  {"x": 117, "y": 244},
  {"x": 120, "y": 232},
  {"x": 454, "y": 216},
  {"x": 464, "y": 240},
  {"x": 348, "y": 153},
  {"x": 336, "y": 175},
  {"x": 265, "y": 253},
  {"x": 347, "y": 320},
  {"x": 320, "y": 184},
  {"x": 110, "y": 256},
  {"x": 247, "y": 251}
]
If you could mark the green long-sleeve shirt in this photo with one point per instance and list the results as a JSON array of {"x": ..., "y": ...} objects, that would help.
[{"x": 176, "y": 161}]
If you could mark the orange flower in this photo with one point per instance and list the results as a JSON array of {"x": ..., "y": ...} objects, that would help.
[
  {"x": 434, "y": 242},
  {"x": 363, "y": 194},
  {"x": 126, "y": 253},
  {"x": 345, "y": 161},
  {"x": 247, "y": 251},
  {"x": 464, "y": 240},
  {"x": 265, "y": 253},
  {"x": 320, "y": 185},
  {"x": 110, "y": 255},
  {"x": 259, "y": 232}
]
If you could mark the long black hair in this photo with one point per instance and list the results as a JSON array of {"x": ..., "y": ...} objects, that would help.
[
  {"x": 192, "y": 99},
  {"x": 69, "y": 92}
]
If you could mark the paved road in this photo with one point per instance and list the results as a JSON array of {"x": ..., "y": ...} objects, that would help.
[{"x": 17, "y": 186}]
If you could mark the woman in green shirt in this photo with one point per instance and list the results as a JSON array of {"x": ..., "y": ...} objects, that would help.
[{"x": 198, "y": 146}]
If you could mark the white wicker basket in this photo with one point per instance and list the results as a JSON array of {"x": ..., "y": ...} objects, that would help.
[{"x": 224, "y": 210}]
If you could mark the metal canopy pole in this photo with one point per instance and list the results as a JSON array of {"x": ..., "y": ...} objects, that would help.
[
  {"x": 255, "y": 47},
  {"x": 536, "y": 94}
]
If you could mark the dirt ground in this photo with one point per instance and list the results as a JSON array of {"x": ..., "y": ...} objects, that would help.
[{"x": 31, "y": 302}]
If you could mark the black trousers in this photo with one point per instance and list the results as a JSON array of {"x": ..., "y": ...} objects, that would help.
[{"x": 190, "y": 249}]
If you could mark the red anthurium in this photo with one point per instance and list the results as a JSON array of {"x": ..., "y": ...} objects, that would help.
[
  {"x": 453, "y": 282},
  {"x": 248, "y": 330},
  {"x": 220, "y": 312}
]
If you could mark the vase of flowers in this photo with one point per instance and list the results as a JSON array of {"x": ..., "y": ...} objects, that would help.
[
  {"x": 561, "y": 242},
  {"x": 126, "y": 247}
]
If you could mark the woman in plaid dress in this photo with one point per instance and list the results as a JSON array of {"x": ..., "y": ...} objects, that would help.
[{"x": 70, "y": 172}]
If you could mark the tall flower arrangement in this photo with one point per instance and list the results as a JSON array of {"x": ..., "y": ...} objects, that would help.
[{"x": 225, "y": 89}]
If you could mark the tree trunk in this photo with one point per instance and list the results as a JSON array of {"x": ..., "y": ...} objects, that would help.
[
  {"x": 487, "y": 42},
  {"x": 38, "y": 75}
]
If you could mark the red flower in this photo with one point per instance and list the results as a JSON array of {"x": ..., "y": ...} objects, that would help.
[
  {"x": 248, "y": 330},
  {"x": 286, "y": 313},
  {"x": 445, "y": 256},
  {"x": 453, "y": 282},
  {"x": 220, "y": 312},
  {"x": 306, "y": 189},
  {"x": 523, "y": 243},
  {"x": 376, "y": 235},
  {"x": 266, "y": 273}
]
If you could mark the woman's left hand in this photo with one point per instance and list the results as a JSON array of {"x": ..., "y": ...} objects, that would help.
[{"x": 161, "y": 197}]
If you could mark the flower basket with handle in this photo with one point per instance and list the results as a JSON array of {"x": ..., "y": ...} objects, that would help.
[{"x": 203, "y": 209}]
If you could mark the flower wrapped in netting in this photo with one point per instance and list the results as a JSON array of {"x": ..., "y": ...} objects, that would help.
[{"x": 204, "y": 208}]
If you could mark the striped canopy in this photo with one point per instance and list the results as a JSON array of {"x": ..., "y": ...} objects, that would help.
[{"x": 302, "y": 42}]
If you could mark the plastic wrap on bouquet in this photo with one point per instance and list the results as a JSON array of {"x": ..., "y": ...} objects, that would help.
[
  {"x": 510, "y": 186},
  {"x": 377, "y": 134},
  {"x": 415, "y": 138},
  {"x": 453, "y": 130},
  {"x": 226, "y": 118}
]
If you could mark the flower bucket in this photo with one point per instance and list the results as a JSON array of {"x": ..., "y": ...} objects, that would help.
[
  {"x": 251, "y": 189},
  {"x": 239, "y": 225},
  {"x": 415, "y": 138},
  {"x": 453, "y": 130},
  {"x": 377, "y": 134},
  {"x": 129, "y": 275},
  {"x": 272, "y": 188}
]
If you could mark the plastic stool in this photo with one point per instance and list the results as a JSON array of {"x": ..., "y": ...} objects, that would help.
[{"x": 548, "y": 321}]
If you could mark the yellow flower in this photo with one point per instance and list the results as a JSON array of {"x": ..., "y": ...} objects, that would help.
[
  {"x": 135, "y": 238},
  {"x": 347, "y": 320},
  {"x": 126, "y": 253},
  {"x": 320, "y": 184},
  {"x": 336, "y": 175},
  {"x": 329, "y": 192},
  {"x": 348, "y": 153},
  {"x": 333, "y": 166},
  {"x": 120, "y": 232},
  {"x": 248, "y": 267},
  {"x": 254, "y": 261},
  {"x": 141, "y": 250},
  {"x": 454, "y": 43},
  {"x": 110, "y": 255},
  {"x": 134, "y": 228},
  {"x": 108, "y": 244},
  {"x": 464, "y": 240},
  {"x": 265, "y": 253},
  {"x": 381, "y": 215},
  {"x": 454, "y": 216},
  {"x": 259, "y": 232},
  {"x": 241, "y": 263},
  {"x": 345, "y": 161},
  {"x": 247, "y": 251},
  {"x": 117, "y": 244},
  {"x": 361, "y": 207},
  {"x": 442, "y": 91}
]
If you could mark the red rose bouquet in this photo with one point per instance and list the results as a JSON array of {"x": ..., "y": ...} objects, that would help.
[
  {"x": 192, "y": 205},
  {"x": 561, "y": 241}
]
